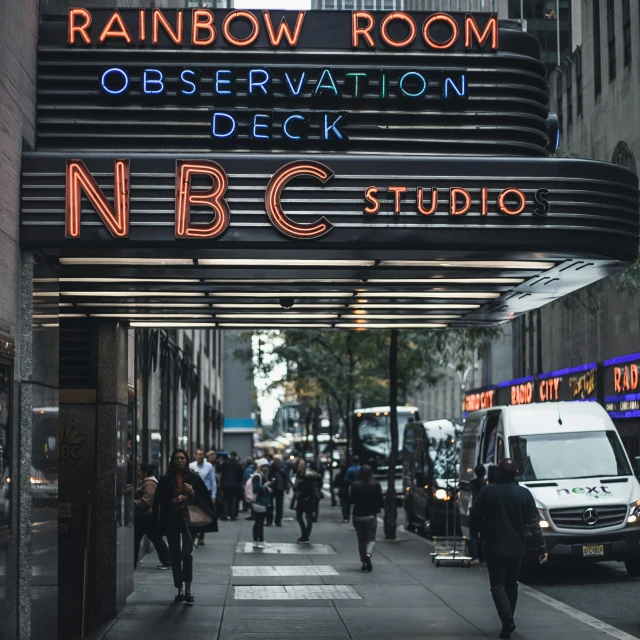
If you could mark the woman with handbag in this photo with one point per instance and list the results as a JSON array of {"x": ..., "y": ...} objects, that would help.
[
  {"x": 260, "y": 501},
  {"x": 182, "y": 507}
]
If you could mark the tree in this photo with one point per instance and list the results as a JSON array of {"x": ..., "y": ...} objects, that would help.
[{"x": 390, "y": 505}]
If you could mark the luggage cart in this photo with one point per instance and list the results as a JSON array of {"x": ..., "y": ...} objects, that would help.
[{"x": 451, "y": 548}]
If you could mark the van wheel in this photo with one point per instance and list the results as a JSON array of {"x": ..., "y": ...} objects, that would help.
[{"x": 633, "y": 567}]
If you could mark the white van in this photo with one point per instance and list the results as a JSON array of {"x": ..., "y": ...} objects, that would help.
[{"x": 571, "y": 458}]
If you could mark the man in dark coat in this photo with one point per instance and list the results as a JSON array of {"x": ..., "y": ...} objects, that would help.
[
  {"x": 231, "y": 480},
  {"x": 504, "y": 510},
  {"x": 279, "y": 475}
]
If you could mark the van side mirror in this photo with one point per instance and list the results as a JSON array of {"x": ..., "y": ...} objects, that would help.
[{"x": 637, "y": 466}]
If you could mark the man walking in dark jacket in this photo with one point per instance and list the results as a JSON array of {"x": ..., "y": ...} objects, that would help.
[
  {"x": 231, "y": 480},
  {"x": 503, "y": 511},
  {"x": 279, "y": 475}
]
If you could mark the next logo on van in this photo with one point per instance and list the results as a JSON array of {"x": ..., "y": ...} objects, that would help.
[{"x": 589, "y": 492}]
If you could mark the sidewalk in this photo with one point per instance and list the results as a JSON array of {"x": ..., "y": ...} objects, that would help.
[{"x": 320, "y": 592}]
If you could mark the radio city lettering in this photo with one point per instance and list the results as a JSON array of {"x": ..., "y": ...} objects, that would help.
[
  {"x": 626, "y": 378},
  {"x": 548, "y": 389},
  {"x": 522, "y": 393},
  {"x": 116, "y": 217},
  {"x": 479, "y": 400},
  {"x": 240, "y": 28}
]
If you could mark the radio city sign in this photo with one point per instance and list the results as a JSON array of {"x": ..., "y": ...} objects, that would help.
[{"x": 426, "y": 201}]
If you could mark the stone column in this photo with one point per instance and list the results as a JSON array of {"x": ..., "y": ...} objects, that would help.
[{"x": 93, "y": 479}]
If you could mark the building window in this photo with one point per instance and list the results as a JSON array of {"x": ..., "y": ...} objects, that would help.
[
  {"x": 611, "y": 39},
  {"x": 597, "y": 70},
  {"x": 626, "y": 31},
  {"x": 348, "y": 4},
  {"x": 560, "y": 105},
  {"x": 579, "y": 81},
  {"x": 569, "y": 95}
]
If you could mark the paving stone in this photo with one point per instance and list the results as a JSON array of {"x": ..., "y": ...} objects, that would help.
[
  {"x": 287, "y": 548},
  {"x": 283, "y": 571},
  {"x": 296, "y": 592}
]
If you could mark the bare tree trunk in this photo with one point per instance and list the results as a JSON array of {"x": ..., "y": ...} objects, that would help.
[
  {"x": 332, "y": 443},
  {"x": 390, "y": 506}
]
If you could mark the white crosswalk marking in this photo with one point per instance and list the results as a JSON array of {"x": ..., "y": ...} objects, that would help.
[
  {"x": 297, "y": 592},
  {"x": 287, "y": 548},
  {"x": 283, "y": 571}
]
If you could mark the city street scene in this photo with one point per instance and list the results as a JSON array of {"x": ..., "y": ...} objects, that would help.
[{"x": 319, "y": 319}]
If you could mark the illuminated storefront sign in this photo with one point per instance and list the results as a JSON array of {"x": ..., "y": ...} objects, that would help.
[
  {"x": 476, "y": 399},
  {"x": 622, "y": 386},
  {"x": 573, "y": 383},
  {"x": 515, "y": 392}
]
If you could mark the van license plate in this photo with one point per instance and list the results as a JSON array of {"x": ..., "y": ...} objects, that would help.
[{"x": 591, "y": 550}]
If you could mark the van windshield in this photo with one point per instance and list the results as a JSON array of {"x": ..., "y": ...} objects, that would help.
[{"x": 558, "y": 456}]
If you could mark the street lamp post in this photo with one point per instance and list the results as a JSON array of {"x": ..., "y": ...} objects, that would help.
[{"x": 462, "y": 377}]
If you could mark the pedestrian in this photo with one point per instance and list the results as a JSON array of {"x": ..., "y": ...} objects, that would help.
[
  {"x": 341, "y": 484},
  {"x": 318, "y": 489},
  {"x": 476, "y": 484},
  {"x": 207, "y": 472},
  {"x": 211, "y": 457},
  {"x": 504, "y": 510},
  {"x": 279, "y": 475},
  {"x": 354, "y": 470},
  {"x": 144, "y": 523},
  {"x": 231, "y": 481},
  {"x": 258, "y": 494},
  {"x": 249, "y": 469},
  {"x": 306, "y": 500},
  {"x": 177, "y": 489},
  {"x": 367, "y": 501}
]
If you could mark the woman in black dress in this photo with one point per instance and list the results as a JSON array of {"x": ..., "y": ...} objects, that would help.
[
  {"x": 177, "y": 489},
  {"x": 366, "y": 498}
]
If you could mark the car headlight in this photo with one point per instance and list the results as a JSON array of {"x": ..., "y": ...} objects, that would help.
[
  {"x": 634, "y": 513},
  {"x": 544, "y": 523},
  {"x": 441, "y": 494}
]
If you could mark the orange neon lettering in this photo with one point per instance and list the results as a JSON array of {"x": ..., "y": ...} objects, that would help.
[
  {"x": 158, "y": 19},
  {"x": 445, "y": 44},
  {"x": 398, "y": 15},
  {"x": 434, "y": 202},
  {"x": 275, "y": 37},
  {"x": 370, "y": 196},
  {"x": 202, "y": 20},
  {"x": 484, "y": 201},
  {"x": 625, "y": 380},
  {"x": 634, "y": 376},
  {"x": 357, "y": 30},
  {"x": 543, "y": 386},
  {"x": 503, "y": 207},
  {"x": 454, "y": 192},
  {"x": 213, "y": 198},
  {"x": 120, "y": 32},
  {"x": 471, "y": 29},
  {"x": 397, "y": 191},
  {"x": 79, "y": 28},
  {"x": 556, "y": 385},
  {"x": 79, "y": 180},
  {"x": 246, "y": 15},
  {"x": 142, "y": 25},
  {"x": 299, "y": 230},
  {"x": 617, "y": 376}
]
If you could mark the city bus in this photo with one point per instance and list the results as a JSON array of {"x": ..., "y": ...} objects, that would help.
[{"x": 372, "y": 440}]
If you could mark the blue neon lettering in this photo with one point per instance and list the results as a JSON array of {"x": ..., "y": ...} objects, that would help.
[
  {"x": 158, "y": 80},
  {"x": 266, "y": 77},
  {"x": 194, "y": 88},
  {"x": 105, "y": 76},
  {"x": 295, "y": 92},
  {"x": 462, "y": 92},
  {"x": 219, "y": 115},
  {"x": 329, "y": 87},
  {"x": 257, "y": 125},
  {"x": 328, "y": 127},
  {"x": 221, "y": 80},
  {"x": 417, "y": 75},
  {"x": 286, "y": 122}
]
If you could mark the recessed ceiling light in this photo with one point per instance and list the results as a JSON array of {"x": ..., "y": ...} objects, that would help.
[
  {"x": 401, "y": 317},
  {"x": 397, "y": 325},
  {"x": 484, "y": 295},
  {"x": 280, "y": 316},
  {"x": 151, "y": 315},
  {"x": 253, "y": 325},
  {"x": 281, "y": 280},
  {"x": 141, "y": 305},
  {"x": 298, "y": 295},
  {"x": 271, "y": 305},
  {"x": 446, "y": 280},
  {"x": 476, "y": 264},
  {"x": 46, "y": 294},
  {"x": 453, "y": 305},
  {"x": 284, "y": 262},
  {"x": 134, "y": 280},
  {"x": 171, "y": 325},
  {"x": 129, "y": 261}
]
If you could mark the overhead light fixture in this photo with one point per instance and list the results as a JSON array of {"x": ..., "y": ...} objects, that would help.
[
  {"x": 134, "y": 280},
  {"x": 279, "y": 294},
  {"x": 258, "y": 305},
  {"x": 401, "y": 317},
  {"x": 171, "y": 325},
  {"x": 280, "y": 316},
  {"x": 46, "y": 294},
  {"x": 483, "y": 295},
  {"x": 475, "y": 264},
  {"x": 151, "y": 315},
  {"x": 134, "y": 294},
  {"x": 128, "y": 261},
  {"x": 453, "y": 305},
  {"x": 446, "y": 280},
  {"x": 395, "y": 325},
  {"x": 140, "y": 305},
  {"x": 72, "y": 315},
  {"x": 240, "y": 325},
  {"x": 282, "y": 262},
  {"x": 281, "y": 280}
]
